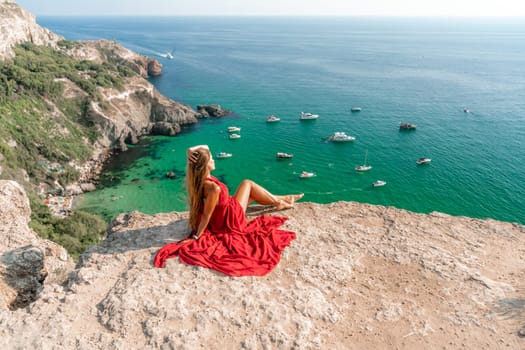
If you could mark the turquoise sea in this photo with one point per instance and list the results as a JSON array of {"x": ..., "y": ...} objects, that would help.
[{"x": 419, "y": 70}]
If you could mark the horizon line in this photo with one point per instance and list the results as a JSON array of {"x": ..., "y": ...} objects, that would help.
[{"x": 283, "y": 15}]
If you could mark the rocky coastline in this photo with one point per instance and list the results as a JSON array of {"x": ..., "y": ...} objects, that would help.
[{"x": 120, "y": 117}]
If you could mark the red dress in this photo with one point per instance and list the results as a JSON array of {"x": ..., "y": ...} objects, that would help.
[{"x": 230, "y": 244}]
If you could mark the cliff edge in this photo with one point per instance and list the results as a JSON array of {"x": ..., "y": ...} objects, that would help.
[{"x": 358, "y": 276}]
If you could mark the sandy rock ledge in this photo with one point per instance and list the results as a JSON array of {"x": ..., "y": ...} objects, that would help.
[{"x": 357, "y": 277}]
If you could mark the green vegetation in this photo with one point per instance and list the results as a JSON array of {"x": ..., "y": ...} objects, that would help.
[
  {"x": 42, "y": 131},
  {"x": 75, "y": 232}
]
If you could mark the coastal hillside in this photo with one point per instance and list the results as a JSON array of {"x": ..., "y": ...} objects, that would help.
[
  {"x": 358, "y": 276},
  {"x": 65, "y": 107},
  {"x": 67, "y": 104}
]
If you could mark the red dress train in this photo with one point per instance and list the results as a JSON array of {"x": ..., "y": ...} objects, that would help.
[{"x": 230, "y": 244}]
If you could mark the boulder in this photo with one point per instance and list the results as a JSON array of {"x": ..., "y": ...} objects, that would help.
[
  {"x": 27, "y": 262},
  {"x": 88, "y": 187}
]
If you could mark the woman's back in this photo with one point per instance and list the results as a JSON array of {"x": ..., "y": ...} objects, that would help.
[{"x": 228, "y": 215}]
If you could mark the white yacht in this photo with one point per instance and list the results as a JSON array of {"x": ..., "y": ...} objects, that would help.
[
  {"x": 272, "y": 119},
  {"x": 379, "y": 183},
  {"x": 234, "y": 129},
  {"x": 223, "y": 155},
  {"x": 308, "y": 116},
  {"x": 306, "y": 174},
  {"x": 235, "y": 136},
  {"x": 423, "y": 160},
  {"x": 283, "y": 155},
  {"x": 340, "y": 136}
]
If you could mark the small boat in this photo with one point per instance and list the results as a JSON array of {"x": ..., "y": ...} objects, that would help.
[
  {"x": 466, "y": 110},
  {"x": 234, "y": 129},
  {"x": 306, "y": 174},
  {"x": 235, "y": 136},
  {"x": 355, "y": 109},
  {"x": 364, "y": 167},
  {"x": 308, "y": 116},
  {"x": 407, "y": 126},
  {"x": 282, "y": 155},
  {"x": 423, "y": 160},
  {"x": 379, "y": 183},
  {"x": 223, "y": 155},
  {"x": 340, "y": 136},
  {"x": 167, "y": 55},
  {"x": 272, "y": 119}
]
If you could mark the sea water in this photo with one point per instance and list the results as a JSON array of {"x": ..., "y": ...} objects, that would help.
[{"x": 460, "y": 80}]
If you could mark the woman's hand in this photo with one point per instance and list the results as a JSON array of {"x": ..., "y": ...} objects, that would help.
[{"x": 191, "y": 153}]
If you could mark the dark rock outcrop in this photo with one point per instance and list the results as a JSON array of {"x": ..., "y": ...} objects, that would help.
[
  {"x": 164, "y": 128},
  {"x": 25, "y": 273},
  {"x": 212, "y": 111}
]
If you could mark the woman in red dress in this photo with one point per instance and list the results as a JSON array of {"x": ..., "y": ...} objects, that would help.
[{"x": 222, "y": 238}]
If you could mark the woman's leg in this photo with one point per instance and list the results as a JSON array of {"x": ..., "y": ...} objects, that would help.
[{"x": 248, "y": 191}]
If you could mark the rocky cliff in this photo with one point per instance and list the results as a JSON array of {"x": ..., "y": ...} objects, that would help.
[
  {"x": 119, "y": 115},
  {"x": 18, "y": 25},
  {"x": 357, "y": 277}
]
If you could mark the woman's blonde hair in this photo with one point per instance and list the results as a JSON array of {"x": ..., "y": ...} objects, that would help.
[{"x": 195, "y": 176}]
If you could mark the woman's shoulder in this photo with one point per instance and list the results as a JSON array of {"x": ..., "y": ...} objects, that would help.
[{"x": 211, "y": 186}]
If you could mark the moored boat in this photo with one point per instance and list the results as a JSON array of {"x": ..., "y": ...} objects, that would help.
[
  {"x": 223, "y": 155},
  {"x": 308, "y": 116},
  {"x": 272, "y": 119},
  {"x": 355, "y": 109},
  {"x": 306, "y": 174},
  {"x": 423, "y": 160},
  {"x": 379, "y": 183},
  {"x": 407, "y": 126},
  {"x": 234, "y": 129},
  {"x": 340, "y": 136},
  {"x": 365, "y": 166},
  {"x": 235, "y": 136},
  {"x": 283, "y": 155}
]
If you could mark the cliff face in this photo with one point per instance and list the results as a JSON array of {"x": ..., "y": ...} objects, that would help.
[
  {"x": 357, "y": 277},
  {"x": 17, "y": 25},
  {"x": 119, "y": 116},
  {"x": 103, "y": 50}
]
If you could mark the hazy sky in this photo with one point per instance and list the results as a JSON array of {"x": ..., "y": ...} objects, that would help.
[{"x": 278, "y": 7}]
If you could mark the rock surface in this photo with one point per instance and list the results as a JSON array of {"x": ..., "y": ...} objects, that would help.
[
  {"x": 357, "y": 277},
  {"x": 102, "y": 50},
  {"x": 212, "y": 111},
  {"x": 18, "y": 25},
  {"x": 27, "y": 262}
]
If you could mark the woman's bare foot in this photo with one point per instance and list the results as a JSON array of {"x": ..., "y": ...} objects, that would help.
[{"x": 287, "y": 202}]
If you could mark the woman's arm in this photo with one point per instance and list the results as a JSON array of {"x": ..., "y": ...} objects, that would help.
[{"x": 211, "y": 191}]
